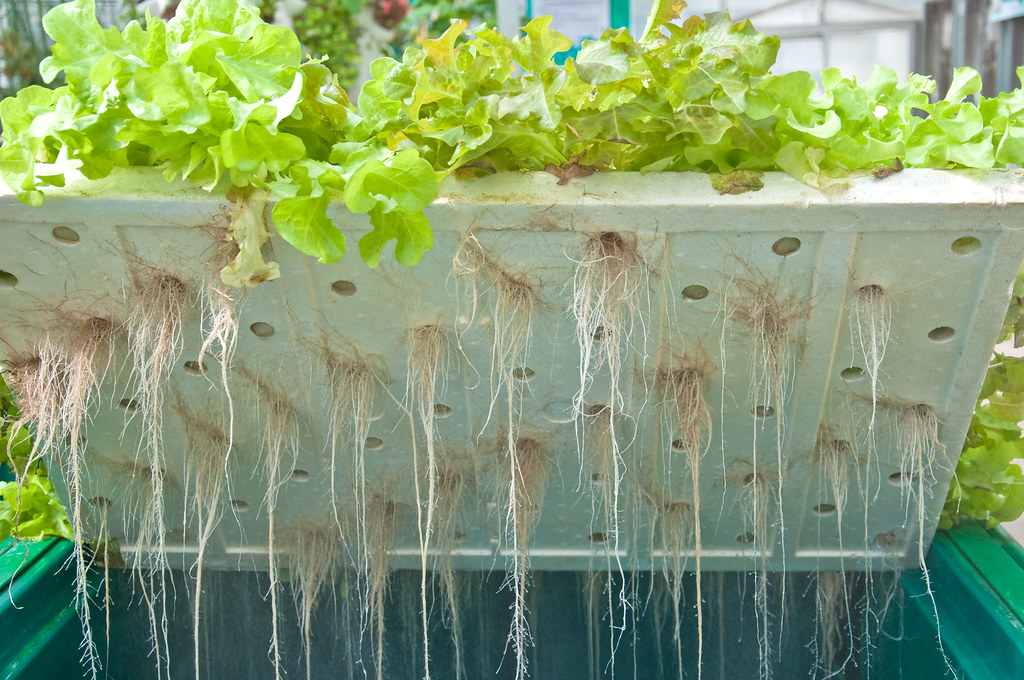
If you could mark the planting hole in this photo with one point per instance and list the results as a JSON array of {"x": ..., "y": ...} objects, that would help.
[
  {"x": 68, "y": 237},
  {"x": 762, "y": 411},
  {"x": 941, "y": 334},
  {"x": 373, "y": 444},
  {"x": 745, "y": 538},
  {"x": 695, "y": 292},
  {"x": 598, "y": 334},
  {"x": 239, "y": 506},
  {"x": 343, "y": 288},
  {"x": 852, "y": 374},
  {"x": 598, "y": 537},
  {"x": 965, "y": 245},
  {"x": 299, "y": 475},
  {"x": 262, "y": 329},
  {"x": 903, "y": 479},
  {"x": 522, "y": 373},
  {"x": 459, "y": 537},
  {"x": 872, "y": 291},
  {"x": 887, "y": 540},
  {"x": 195, "y": 368},
  {"x": 442, "y": 410},
  {"x": 749, "y": 477},
  {"x": 597, "y": 478},
  {"x": 129, "y": 404},
  {"x": 595, "y": 409},
  {"x": 678, "y": 444},
  {"x": 824, "y": 509},
  {"x": 787, "y": 245},
  {"x": 7, "y": 279},
  {"x": 101, "y": 502}
]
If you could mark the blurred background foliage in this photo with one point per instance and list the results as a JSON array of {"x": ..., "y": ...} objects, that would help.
[{"x": 348, "y": 32}]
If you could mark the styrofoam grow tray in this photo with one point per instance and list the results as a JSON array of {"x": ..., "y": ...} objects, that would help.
[{"x": 78, "y": 253}]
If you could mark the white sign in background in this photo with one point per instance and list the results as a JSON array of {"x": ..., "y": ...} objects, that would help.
[{"x": 578, "y": 19}]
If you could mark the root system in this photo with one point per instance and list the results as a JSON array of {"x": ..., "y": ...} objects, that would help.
[
  {"x": 682, "y": 387},
  {"x": 524, "y": 484},
  {"x": 314, "y": 555}
]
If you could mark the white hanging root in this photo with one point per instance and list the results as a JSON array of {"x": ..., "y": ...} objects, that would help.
[
  {"x": 919, "y": 446},
  {"x": 525, "y": 483},
  {"x": 380, "y": 529},
  {"x": 609, "y": 286},
  {"x": 209, "y": 446},
  {"x": 514, "y": 305},
  {"x": 676, "y": 522},
  {"x": 154, "y": 340},
  {"x": 757, "y": 491},
  {"x": 280, "y": 436},
  {"x": 872, "y": 312},
  {"x": 682, "y": 388},
  {"x": 353, "y": 379},
  {"x": 314, "y": 554},
  {"x": 428, "y": 349},
  {"x": 88, "y": 356},
  {"x": 833, "y": 457},
  {"x": 833, "y": 612},
  {"x": 453, "y": 480},
  {"x": 770, "y": 318},
  {"x": 220, "y": 339},
  {"x": 108, "y": 555},
  {"x": 56, "y": 389},
  {"x": 601, "y": 455}
]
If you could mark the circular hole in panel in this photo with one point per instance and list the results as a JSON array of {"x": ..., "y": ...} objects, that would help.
[
  {"x": 597, "y": 478},
  {"x": 459, "y": 537},
  {"x": 262, "y": 329},
  {"x": 965, "y": 245},
  {"x": 442, "y": 410},
  {"x": 101, "y": 502},
  {"x": 373, "y": 444},
  {"x": 524, "y": 373},
  {"x": 762, "y": 411},
  {"x": 129, "y": 404},
  {"x": 299, "y": 475},
  {"x": 749, "y": 477},
  {"x": 343, "y": 288},
  {"x": 598, "y": 537},
  {"x": 678, "y": 444},
  {"x": 239, "y": 505},
  {"x": 7, "y": 279},
  {"x": 902, "y": 479},
  {"x": 65, "y": 235},
  {"x": 558, "y": 412},
  {"x": 195, "y": 368},
  {"x": 745, "y": 538},
  {"x": 695, "y": 292},
  {"x": 941, "y": 334},
  {"x": 598, "y": 335},
  {"x": 852, "y": 374},
  {"x": 595, "y": 409},
  {"x": 787, "y": 245},
  {"x": 824, "y": 509}
]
